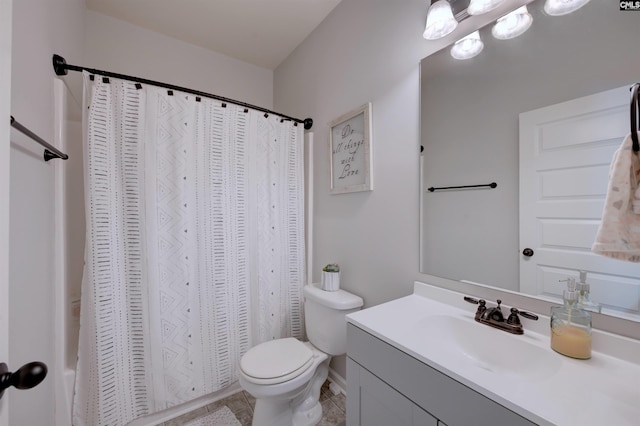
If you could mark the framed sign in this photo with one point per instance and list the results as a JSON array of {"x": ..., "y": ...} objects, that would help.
[{"x": 350, "y": 152}]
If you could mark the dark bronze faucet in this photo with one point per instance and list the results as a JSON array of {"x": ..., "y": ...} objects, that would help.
[{"x": 494, "y": 317}]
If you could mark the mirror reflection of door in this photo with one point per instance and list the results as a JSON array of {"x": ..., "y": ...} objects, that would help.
[{"x": 565, "y": 155}]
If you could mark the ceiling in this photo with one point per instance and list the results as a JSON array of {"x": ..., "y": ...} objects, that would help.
[{"x": 260, "y": 32}]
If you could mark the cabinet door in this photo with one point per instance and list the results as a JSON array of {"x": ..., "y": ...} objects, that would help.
[
  {"x": 422, "y": 418},
  {"x": 371, "y": 402}
]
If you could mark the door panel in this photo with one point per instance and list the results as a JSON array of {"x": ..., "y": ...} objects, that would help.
[{"x": 565, "y": 155}]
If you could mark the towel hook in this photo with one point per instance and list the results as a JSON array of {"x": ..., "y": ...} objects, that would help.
[{"x": 635, "y": 99}]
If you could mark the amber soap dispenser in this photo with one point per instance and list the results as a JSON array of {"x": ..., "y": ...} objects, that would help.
[{"x": 571, "y": 326}]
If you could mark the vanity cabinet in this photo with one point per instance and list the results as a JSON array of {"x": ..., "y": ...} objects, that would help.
[{"x": 386, "y": 386}]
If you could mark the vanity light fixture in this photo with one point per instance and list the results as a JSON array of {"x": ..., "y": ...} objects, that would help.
[
  {"x": 513, "y": 24},
  {"x": 478, "y": 7},
  {"x": 467, "y": 47},
  {"x": 563, "y": 7},
  {"x": 440, "y": 21}
]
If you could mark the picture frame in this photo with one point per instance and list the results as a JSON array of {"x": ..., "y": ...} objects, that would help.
[{"x": 350, "y": 154}]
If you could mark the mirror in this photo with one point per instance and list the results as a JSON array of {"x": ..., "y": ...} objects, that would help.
[{"x": 470, "y": 133}]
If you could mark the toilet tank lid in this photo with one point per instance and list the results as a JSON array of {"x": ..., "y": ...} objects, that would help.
[{"x": 340, "y": 299}]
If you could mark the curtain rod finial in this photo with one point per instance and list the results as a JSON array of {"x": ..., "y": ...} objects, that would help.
[
  {"x": 59, "y": 65},
  {"x": 308, "y": 123}
]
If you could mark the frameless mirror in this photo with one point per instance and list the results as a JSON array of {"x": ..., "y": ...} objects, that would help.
[{"x": 471, "y": 133}]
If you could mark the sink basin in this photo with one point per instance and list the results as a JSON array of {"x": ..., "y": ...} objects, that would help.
[{"x": 480, "y": 346}]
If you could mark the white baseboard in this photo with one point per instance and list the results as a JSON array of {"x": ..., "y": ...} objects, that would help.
[{"x": 338, "y": 380}]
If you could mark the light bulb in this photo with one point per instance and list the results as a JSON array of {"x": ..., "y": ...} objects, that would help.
[
  {"x": 563, "y": 7},
  {"x": 478, "y": 7},
  {"x": 440, "y": 21},
  {"x": 513, "y": 24},
  {"x": 467, "y": 47}
]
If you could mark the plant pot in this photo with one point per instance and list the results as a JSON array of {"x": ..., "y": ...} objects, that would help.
[{"x": 330, "y": 281}]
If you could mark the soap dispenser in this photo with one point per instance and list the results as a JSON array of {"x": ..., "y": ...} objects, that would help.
[
  {"x": 584, "y": 300},
  {"x": 570, "y": 325}
]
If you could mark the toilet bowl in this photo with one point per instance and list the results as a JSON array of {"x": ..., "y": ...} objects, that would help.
[{"x": 285, "y": 375}]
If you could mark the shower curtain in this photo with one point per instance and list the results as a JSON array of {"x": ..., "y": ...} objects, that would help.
[{"x": 194, "y": 248}]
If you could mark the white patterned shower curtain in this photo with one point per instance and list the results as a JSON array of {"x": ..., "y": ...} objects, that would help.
[{"x": 194, "y": 248}]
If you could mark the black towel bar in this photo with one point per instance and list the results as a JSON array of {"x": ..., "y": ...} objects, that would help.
[
  {"x": 490, "y": 185},
  {"x": 635, "y": 100},
  {"x": 50, "y": 151}
]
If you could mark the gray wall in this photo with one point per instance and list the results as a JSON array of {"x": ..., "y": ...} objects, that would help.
[
  {"x": 121, "y": 47},
  {"x": 365, "y": 51}
]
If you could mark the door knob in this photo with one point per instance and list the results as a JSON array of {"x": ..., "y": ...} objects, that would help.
[
  {"x": 527, "y": 252},
  {"x": 26, "y": 377}
]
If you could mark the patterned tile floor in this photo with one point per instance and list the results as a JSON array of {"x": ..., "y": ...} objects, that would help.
[{"x": 241, "y": 404}]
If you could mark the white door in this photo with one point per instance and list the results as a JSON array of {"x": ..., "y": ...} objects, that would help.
[
  {"x": 565, "y": 154},
  {"x": 5, "y": 106}
]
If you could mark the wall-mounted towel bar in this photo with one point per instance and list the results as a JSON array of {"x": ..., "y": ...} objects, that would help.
[
  {"x": 50, "y": 151},
  {"x": 489, "y": 185}
]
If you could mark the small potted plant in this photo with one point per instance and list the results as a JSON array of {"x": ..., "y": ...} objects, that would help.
[{"x": 330, "y": 277}]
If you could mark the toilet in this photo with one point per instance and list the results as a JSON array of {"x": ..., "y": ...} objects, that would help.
[{"x": 285, "y": 375}]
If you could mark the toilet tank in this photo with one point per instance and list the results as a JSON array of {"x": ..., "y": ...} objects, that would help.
[{"x": 324, "y": 314}]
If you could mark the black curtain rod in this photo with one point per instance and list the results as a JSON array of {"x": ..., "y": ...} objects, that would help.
[
  {"x": 61, "y": 67},
  {"x": 50, "y": 151}
]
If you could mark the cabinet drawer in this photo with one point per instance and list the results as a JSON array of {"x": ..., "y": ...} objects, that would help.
[{"x": 445, "y": 398}]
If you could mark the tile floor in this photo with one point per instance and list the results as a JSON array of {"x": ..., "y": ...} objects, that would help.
[{"x": 241, "y": 404}]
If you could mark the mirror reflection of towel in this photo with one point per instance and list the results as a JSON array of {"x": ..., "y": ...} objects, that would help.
[{"x": 618, "y": 235}]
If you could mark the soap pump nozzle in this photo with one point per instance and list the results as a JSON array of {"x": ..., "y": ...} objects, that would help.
[
  {"x": 584, "y": 300},
  {"x": 583, "y": 278},
  {"x": 571, "y": 294},
  {"x": 583, "y": 287}
]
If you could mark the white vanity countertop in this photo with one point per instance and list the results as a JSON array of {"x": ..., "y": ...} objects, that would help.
[{"x": 604, "y": 390}]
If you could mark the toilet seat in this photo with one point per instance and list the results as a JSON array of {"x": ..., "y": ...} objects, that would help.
[{"x": 276, "y": 361}]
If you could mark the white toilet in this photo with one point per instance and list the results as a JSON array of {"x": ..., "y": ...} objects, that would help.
[{"x": 285, "y": 375}]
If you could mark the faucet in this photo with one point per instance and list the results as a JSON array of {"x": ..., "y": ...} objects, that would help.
[{"x": 494, "y": 317}]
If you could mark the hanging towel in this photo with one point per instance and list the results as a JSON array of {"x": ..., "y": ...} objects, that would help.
[{"x": 619, "y": 233}]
